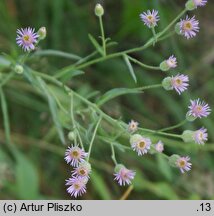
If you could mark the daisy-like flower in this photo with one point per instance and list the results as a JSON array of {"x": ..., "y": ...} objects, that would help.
[
  {"x": 142, "y": 145},
  {"x": 200, "y": 136},
  {"x": 26, "y": 38},
  {"x": 200, "y": 3},
  {"x": 183, "y": 164},
  {"x": 150, "y": 18},
  {"x": 159, "y": 146},
  {"x": 75, "y": 155},
  {"x": 189, "y": 27},
  {"x": 199, "y": 109},
  {"x": 132, "y": 126},
  {"x": 123, "y": 175},
  {"x": 180, "y": 83},
  {"x": 77, "y": 186},
  {"x": 171, "y": 62},
  {"x": 83, "y": 170}
]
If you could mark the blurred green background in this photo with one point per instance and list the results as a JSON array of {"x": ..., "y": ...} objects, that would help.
[{"x": 40, "y": 170}]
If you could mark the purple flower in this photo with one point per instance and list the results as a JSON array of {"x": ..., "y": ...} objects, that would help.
[
  {"x": 189, "y": 27},
  {"x": 74, "y": 155},
  {"x": 159, "y": 146},
  {"x": 132, "y": 126},
  {"x": 26, "y": 38},
  {"x": 200, "y": 3},
  {"x": 199, "y": 109},
  {"x": 200, "y": 136},
  {"x": 180, "y": 83},
  {"x": 83, "y": 170},
  {"x": 183, "y": 164},
  {"x": 141, "y": 145},
  {"x": 150, "y": 18},
  {"x": 77, "y": 186},
  {"x": 124, "y": 176},
  {"x": 171, "y": 62}
]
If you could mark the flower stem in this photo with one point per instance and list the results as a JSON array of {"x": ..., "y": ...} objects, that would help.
[
  {"x": 174, "y": 126},
  {"x": 113, "y": 157},
  {"x": 93, "y": 137},
  {"x": 155, "y": 36},
  {"x": 102, "y": 35}
]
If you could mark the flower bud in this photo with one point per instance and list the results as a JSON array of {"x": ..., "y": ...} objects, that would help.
[
  {"x": 99, "y": 11},
  {"x": 187, "y": 136},
  {"x": 190, "y": 118},
  {"x": 42, "y": 33},
  {"x": 71, "y": 135},
  {"x": 167, "y": 83},
  {"x": 173, "y": 159},
  {"x": 135, "y": 138},
  {"x": 19, "y": 69},
  {"x": 190, "y": 5}
]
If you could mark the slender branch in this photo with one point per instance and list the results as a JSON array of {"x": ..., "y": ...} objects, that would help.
[
  {"x": 113, "y": 157},
  {"x": 102, "y": 35},
  {"x": 174, "y": 126}
]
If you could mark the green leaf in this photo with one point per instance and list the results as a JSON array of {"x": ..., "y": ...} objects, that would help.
[
  {"x": 131, "y": 70},
  {"x": 115, "y": 93},
  {"x": 70, "y": 74},
  {"x": 96, "y": 44},
  {"x": 27, "y": 181},
  {"x": 53, "y": 109},
  {"x": 100, "y": 186}
]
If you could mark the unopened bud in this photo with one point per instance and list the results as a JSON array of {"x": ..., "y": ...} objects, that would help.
[
  {"x": 42, "y": 33},
  {"x": 190, "y": 5},
  {"x": 99, "y": 11},
  {"x": 19, "y": 69}
]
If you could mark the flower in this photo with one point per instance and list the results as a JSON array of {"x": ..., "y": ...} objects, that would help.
[
  {"x": 189, "y": 27},
  {"x": 26, "y": 38},
  {"x": 141, "y": 145},
  {"x": 200, "y": 3},
  {"x": 74, "y": 155},
  {"x": 123, "y": 175},
  {"x": 171, "y": 62},
  {"x": 83, "y": 170},
  {"x": 183, "y": 164},
  {"x": 77, "y": 186},
  {"x": 159, "y": 146},
  {"x": 200, "y": 136},
  {"x": 150, "y": 18},
  {"x": 132, "y": 126},
  {"x": 199, "y": 109},
  {"x": 180, "y": 83}
]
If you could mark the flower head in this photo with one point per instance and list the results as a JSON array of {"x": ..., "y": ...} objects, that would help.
[
  {"x": 123, "y": 175},
  {"x": 199, "y": 109},
  {"x": 83, "y": 170},
  {"x": 183, "y": 164},
  {"x": 180, "y": 83},
  {"x": 133, "y": 126},
  {"x": 200, "y": 3},
  {"x": 200, "y": 136},
  {"x": 189, "y": 27},
  {"x": 26, "y": 38},
  {"x": 77, "y": 186},
  {"x": 150, "y": 18},
  {"x": 141, "y": 145},
  {"x": 171, "y": 62},
  {"x": 74, "y": 155},
  {"x": 159, "y": 146}
]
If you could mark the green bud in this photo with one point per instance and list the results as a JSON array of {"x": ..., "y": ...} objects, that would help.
[
  {"x": 173, "y": 159},
  {"x": 177, "y": 29},
  {"x": 135, "y": 138},
  {"x": 166, "y": 83},
  {"x": 164, "y": 66},
  {"x": 118, "y": 167},
  {"x": 190, "y": 5},
  {"x": 190, "y": 117},
  {"x": 42, "y": 33},
  {"x": 71, "y": 135},
  {"x": 99, "y": 11},
  {"x": 187, "y": 136},
  {"x": 19, "y": 69}
]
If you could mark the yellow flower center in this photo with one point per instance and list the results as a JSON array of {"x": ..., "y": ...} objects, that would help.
[
  {"x": 76, "y": 186},
  {"x": 150, "y": 18},
  {"x": 199, "y": 108},
  {"x": 178, "y": 81},
  {"x": 26, "y": 38},
  {"x": 187, "y": 26},
  {"x": 75, "y": 154},
  {"x": 142, "y": 144},
  {"x": 182, "y": 163},
  {"x": 82, "y": 172}
]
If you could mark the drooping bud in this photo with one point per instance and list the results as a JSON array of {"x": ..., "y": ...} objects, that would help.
[
  {"x": 190, "y": 117},
  {"x": 99, "y": 11}
]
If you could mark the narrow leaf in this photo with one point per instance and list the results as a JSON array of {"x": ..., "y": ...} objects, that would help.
[
  {"x": 131, "y": 70},
  {"x": 96, "y": 44}
]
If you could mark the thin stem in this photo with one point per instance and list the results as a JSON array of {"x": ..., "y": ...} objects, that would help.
[
  {"x": 142, "y": 64},
  {"x": 155, "y": 36},
  {"x": 113, "y": 157},
  {"x": 127, "y": 193},
  {"x": 150, "y": 87},
  {"x": 93, "y": 137},
  {"x": 102, "y": 35},
  {"x": 174, "y": 126}
]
